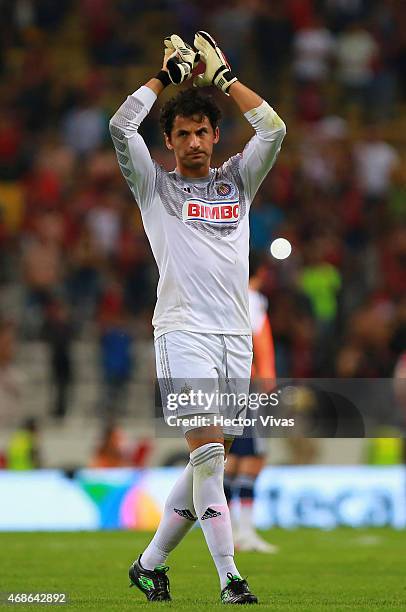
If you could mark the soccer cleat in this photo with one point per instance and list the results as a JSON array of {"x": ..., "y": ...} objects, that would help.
[
  {"x": 237, "y": 591},
  {"x": 252, "y": 542},
  {"x": 153, "y": 583}
]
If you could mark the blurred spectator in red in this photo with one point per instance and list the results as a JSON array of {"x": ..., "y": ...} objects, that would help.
[
  {"x": 43, "y": 188},
  {"x": 301, "y": 13},
  {"x": 393, "y": 263},
  {"x": 110, "y": 451},
  {"x": 12, "y": 162}
]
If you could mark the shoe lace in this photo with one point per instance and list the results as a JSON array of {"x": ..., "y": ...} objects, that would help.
[
  {"x": 162, "y": 581},
  {"x": 237, "y": 584}
]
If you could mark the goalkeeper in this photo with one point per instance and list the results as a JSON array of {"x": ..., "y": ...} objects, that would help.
[{"x": 196, "y": 219}]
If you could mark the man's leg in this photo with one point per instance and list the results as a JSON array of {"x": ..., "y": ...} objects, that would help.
[
  {"x": 207, "y": 453},
  {"x": 148, "y": 573},
  {"x": 207, "y": 458},
  {"x": 177, "y": 519}
]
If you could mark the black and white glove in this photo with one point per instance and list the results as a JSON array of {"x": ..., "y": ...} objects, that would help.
[
  {"x": 181, "y": 59},
  {"x": 218, "y": 71}
]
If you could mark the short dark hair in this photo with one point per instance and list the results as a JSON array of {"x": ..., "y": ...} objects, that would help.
[{"x": 187, "y": 103}]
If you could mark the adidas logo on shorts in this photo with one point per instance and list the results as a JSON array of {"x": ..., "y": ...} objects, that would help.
[{"x": 210, "y": 513}]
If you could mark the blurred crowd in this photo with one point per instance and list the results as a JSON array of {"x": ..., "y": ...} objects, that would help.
[{"x": 71, "y": 235}]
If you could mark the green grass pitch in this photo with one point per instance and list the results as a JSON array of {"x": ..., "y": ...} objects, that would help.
[{"x": 344, "y": 569}]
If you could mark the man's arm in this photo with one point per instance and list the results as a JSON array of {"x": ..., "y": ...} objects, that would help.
[
  {"x": 133, "y": 156},
  {"x": 260, "y": 153},
  {"x": 156, "y": 85},
  {"x": 245, "y": 98},
  {"x": 262, "y": 150},
  {"x": 132, "y": 153}
]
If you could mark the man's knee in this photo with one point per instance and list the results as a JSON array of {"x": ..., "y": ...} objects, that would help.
[{"x": 204, "y": 435}]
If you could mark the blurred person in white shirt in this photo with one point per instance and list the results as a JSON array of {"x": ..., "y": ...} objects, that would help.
[
  {"x": 375, "y": 162},
  {"x": 357, "y": 58},
  {"x": 313, "y": 47}
]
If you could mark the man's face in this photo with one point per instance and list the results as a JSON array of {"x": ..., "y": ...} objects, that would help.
[{"x": 192, "y": 140}]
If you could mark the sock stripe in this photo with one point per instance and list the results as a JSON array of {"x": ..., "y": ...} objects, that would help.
[
  {"x": 218, "y": 448},
  {"x": 199, "y": 461},
  {"x": 201, "y": 451}
]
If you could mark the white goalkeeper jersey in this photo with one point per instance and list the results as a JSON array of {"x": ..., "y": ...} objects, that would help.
[{"x": 198, "y": 228}]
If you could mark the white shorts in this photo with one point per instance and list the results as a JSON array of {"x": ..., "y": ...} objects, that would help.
[{"x": 217, "y": 365}]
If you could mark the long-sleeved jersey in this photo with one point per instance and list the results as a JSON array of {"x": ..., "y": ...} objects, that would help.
[{"x": 198, "y": 228}]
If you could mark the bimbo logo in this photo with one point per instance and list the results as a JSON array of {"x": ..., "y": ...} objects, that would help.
[{"x": 211, "y": 212}]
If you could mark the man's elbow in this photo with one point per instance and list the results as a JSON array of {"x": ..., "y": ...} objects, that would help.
[
  {"x": 273, "y": 128},
  {"x": 281, "y": 129},
  {"x": 277, "y": 125},
  {"x": 116, "y": 127},
  {"x": 113, "y": 123}
]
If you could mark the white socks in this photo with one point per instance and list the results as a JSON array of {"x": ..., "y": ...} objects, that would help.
[
  {"x": 178, "y": 517},
  {"x": 211, "y": 506},
  {"x": 198, "y": 493}
]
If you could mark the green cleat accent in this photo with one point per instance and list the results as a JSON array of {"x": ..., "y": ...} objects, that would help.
[
  {"x": 237, "y": 591},
  {"x": 153, "y": 583}
]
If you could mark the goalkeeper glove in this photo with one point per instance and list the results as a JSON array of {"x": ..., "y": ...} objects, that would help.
[
  {"x": 182, "y": 58},
  {"x": 218, "y": 71}
]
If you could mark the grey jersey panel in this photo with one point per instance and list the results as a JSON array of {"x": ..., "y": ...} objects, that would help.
[{"x": 224, "y": 183}]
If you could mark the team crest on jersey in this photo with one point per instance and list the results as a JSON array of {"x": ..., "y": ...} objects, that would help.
[
  {"x": 197, "y": 209},
  {"x": 224, "y": 189}
]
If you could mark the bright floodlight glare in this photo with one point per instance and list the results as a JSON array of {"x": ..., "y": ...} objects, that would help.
[{"x": 281, "y": 248}]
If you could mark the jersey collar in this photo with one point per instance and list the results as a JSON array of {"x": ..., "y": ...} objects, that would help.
[{"x": 188, "y": 179}]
